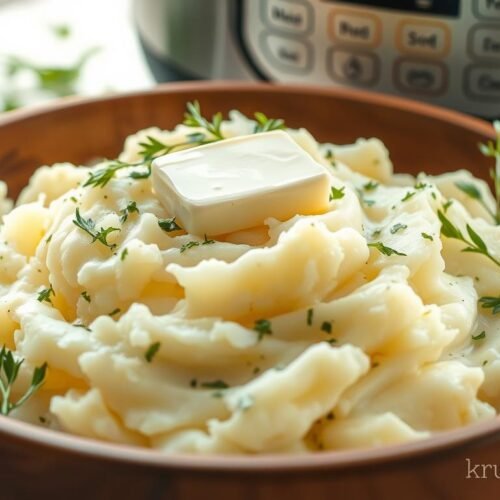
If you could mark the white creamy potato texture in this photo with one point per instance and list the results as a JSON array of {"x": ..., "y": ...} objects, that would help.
[{"x": 364, "y": 325}]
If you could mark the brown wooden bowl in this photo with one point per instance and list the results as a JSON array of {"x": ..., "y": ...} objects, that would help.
[{"x": 419, "y": 137}]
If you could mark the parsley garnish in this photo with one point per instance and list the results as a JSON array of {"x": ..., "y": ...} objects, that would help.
[
  {"x": 310, "y": 313},
  {"x": 474, "y": 244},
  {"x": 326, "y": 327},
  {"x": 370, "y": 186},
  {"x": 492, "y": 149},
  {"x": 193, "y": 118},
  {"x": 265, "y": 124},
  {"x": 385, "y": 250},
  {"x": 492, "y": 303},
  {"x": 151, "y": 351},
  {"x": 9, "y": 369},
  {"x": 129, "y": 209},
  {"x": 480, "y": 336},
  {"x": 103, "y": 175},
  {"x": 215, "y": 384},
  {"x": 420, "y": 185},
  {"x": 262, "y": 327},
  {"x": 88, "y": 225},
  {"x": 447, "y": 205},
  {"x": 408, "y": 195},
  {"x": 169, "y": 224},
  {"x": 114, "y": 311},
  {"x": 427, "y": 236},
  {"x": 44, "y": 295},
  {"x": 191, "y": 244},
  {"x": 85, "y": 296},
  {"x": 473, "y": 192},
  {"x": 398, "y": 227},
  {"x": 336, "y": 194},
  {"x": 124, "y": 254}
]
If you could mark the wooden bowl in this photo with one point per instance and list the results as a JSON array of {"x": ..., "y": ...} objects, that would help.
[{"x": 419, "y": 137}]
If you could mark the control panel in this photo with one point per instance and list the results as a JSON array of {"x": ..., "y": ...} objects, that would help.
[{"x": 445, "y": 52}]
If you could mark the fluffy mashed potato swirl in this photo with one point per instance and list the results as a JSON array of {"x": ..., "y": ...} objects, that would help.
[{"x": 357, "y": 327}]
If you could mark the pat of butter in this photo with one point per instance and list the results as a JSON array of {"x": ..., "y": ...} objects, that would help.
[{"x": 237, "y": 183}]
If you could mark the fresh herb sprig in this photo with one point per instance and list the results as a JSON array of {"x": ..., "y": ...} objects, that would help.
[
  {"x": 473, "y": 192},
  {"x": 194, "y": 118},
  {"x": 44, "y": 295},
  {"x": 9, "y": 369},
  {"x": 88, "y": 225},
  {"x": 265, "y": 124},
  {"x": 492, "y": 149},
  {"x": 101, "y": 176},
  {"x": 474, "y": 243},
  {"x": 262, "y": 327}
]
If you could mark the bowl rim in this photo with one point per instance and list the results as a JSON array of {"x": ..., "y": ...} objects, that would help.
[{"x": 25, "y": 433}]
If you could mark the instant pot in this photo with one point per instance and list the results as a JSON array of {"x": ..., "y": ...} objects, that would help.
[{"x": 445, "y": 52}]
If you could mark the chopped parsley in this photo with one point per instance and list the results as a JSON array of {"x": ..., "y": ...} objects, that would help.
[
  {"x": 215, "y": 384},
  {"x": 85, "y": 296},
  {"x": 492, "y": 303},
  {"x": 427, "y": 236},
  {"x": 336, "y": 194},
  {"x": 370, "y": 186},
  {"x": 262, "y": 327},
  {"x": 44, "y": 295},
  {"x": 326, "y": 327},
  {"x": 385, "y": 250},
  {"x": 129, "y": 209},
  {"x": 123, "y": 254},
  {"x": 191, "y": 244},
  {"x": 398, "y": 227},
  {"x": 151, "y": 351},
  {"x": 408, "y": 195},
  {"x": 114, "y": 312},
  {"x": 88, "y": 225},
  {"x": 310, "y": 314},
  {"x": 479, "y": 336},
  {"x": 169, "y": 224}
]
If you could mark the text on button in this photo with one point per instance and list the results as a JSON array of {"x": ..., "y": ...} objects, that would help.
[
  {"x": 346, "y": 27},
  {"x": 292, "y": 16}
]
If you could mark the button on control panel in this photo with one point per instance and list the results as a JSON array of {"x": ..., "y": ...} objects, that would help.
[
  {"x": 295, "y": 16},
  {"x": 483, "y": 82},
  {"x": 426, "y": 78},
  {"x": 358, "y": 68},
  {"x": 484, "y": 42},
  {"x": 357, "y": 29},
  {"x": 487, "y": 9},
  {"x": 288, "y": 53},
  {"x": 429, "y": 39}
]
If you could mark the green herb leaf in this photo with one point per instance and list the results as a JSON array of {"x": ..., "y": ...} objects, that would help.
[
  {"x": 88, "y": 225},
  {"x": 129, "y": 209},
  {"x": 326, "y": 327},
  {"x": 409, "y": 194},
  {"x": 44, "y": 295},
  {"x": 310, "y": 313},
  {"x": 469, "y": 189},
  {"x": 114, "y": 312},
  {"x": 85, "y": 296},
  {"x": 215, "y": 384},
  {"x": 370, "y": 186},
  {"x": 398, "y": 227},
  {"x": 151, "y": 351},
  {"x": 492, "y": 303},
  {"x": 123, "y": 254},
  {"x": 169, "y": 225},
  {"x": 427, "y": 236},
  {"x": 265, "y": 124},
  {"x": 191, "y": 244},
  {"x": 194, "y": 118},
  {"x": 336, "y": 194},
  {"x": 262, "y": 327},
  {"x": 385, "y": 250},
  {"x": 480, "y": 336},
  {"x": 9, "y": 370}
]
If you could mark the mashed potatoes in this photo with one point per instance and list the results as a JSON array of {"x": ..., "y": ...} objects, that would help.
[{"x": 357, "y": 327}]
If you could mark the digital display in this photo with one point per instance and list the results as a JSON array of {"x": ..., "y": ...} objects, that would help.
[{"x": 439, "y": 7}]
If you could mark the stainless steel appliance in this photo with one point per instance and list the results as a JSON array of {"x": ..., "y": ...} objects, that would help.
[{"x": 445, "y": 52}]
